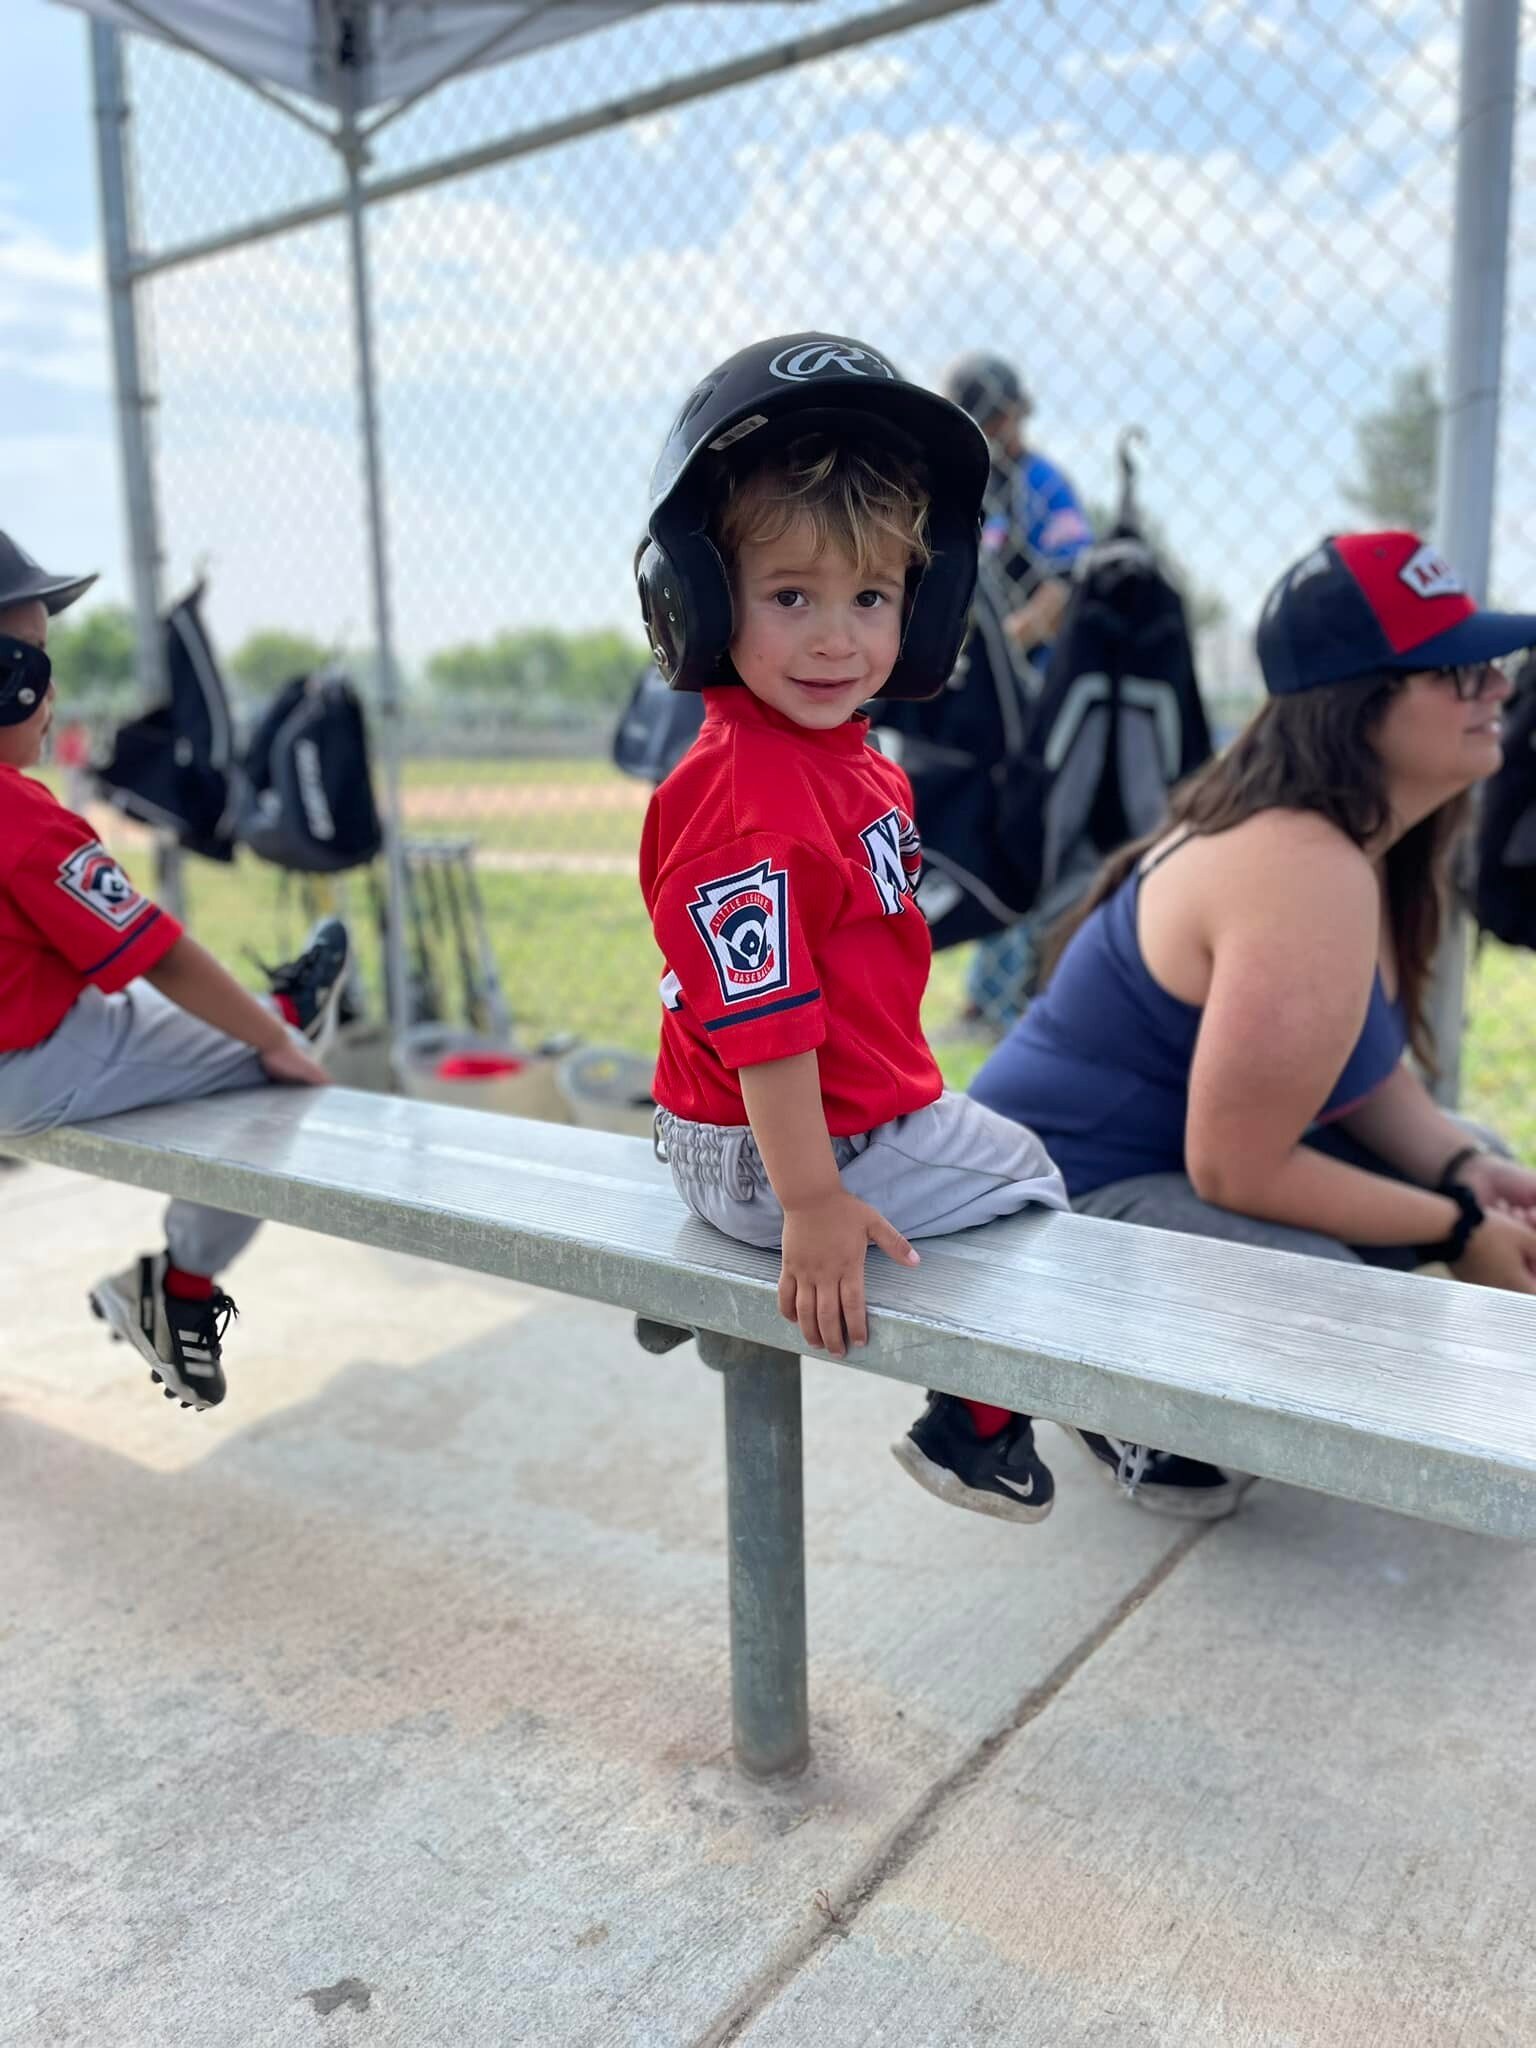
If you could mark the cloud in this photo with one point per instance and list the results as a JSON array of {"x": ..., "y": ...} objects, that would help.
[
  {"x": 1164, "y": 56},
  {"x": 1247, "y": 308},
  {"x": 60, "y": 496},
  {"x": 860, "y": 76},
  {"x": 52, "y": 322},
  {"x": 656, "y": 136}
]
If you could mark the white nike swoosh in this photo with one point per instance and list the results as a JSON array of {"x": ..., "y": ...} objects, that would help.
[{"x": 1014, "y": 1486}]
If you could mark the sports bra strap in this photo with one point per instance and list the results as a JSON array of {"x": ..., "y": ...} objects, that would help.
[{"x": 1163, "y": 854}]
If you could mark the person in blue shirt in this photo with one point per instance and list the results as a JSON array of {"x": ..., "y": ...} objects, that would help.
[{"x": 1034, "y": 526}]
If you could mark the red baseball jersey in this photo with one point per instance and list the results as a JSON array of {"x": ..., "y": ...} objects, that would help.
[
  {"x": 69, "y": 917},
  {"x": 779, "y": 865}
]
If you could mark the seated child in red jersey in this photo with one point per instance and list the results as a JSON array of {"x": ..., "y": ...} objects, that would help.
[
  {"x": 812, "y": 544},
  {"x": 106, "y": 1004}
]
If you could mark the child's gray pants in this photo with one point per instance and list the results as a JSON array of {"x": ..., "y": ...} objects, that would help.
[{"x": 127, "y": 1051}]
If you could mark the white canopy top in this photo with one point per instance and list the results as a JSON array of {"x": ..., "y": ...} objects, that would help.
[{"x": 391, "y": 48}]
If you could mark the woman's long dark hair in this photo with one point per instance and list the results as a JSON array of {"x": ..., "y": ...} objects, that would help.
[{"x": 1314, "y": 752}]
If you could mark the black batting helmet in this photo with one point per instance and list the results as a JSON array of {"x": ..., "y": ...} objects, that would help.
[{"x": 798, "y": 384}]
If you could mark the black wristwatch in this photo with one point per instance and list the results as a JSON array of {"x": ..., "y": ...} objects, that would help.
[
  {"x": 1451, "y": 1248},
  {"x": 1455, "y": 1163}
]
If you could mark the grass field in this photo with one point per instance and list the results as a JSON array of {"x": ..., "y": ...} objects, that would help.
[{"x": 575, "y": 952}]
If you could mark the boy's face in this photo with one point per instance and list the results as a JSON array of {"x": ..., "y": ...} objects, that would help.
[
  {"x": 21, "y": 746},
  {"x": 812, "y": 637}
]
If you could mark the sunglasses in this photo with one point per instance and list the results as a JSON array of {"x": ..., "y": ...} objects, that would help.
[
  {"x": 1472, "y": 680},
  {"x": 25, "y": 671}
]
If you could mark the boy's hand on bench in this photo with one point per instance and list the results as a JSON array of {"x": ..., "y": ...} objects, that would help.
[
  {"x": 292, "y": 1062},
  {"x": 821, "y": 1283}
]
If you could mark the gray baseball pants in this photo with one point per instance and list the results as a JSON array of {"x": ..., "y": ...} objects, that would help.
[{"x": 129, "y": 1051}]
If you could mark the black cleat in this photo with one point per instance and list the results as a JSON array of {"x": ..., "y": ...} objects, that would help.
[
  {"x": 1163, "y": 1482},
  {"x": 999, "y": 1475},
  {"x": 180, "y": 1340},
  {"x": 316, "y": 981}
]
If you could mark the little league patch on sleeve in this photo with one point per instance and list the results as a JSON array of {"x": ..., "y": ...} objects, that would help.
[
  {"x": 92, "y": 877},
  {"x": 744, "y": 920}
]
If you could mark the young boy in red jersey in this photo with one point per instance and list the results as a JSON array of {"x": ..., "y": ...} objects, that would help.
[
  {"x": 106, "y": 1004},
  {"x": 811, "y": 545}
]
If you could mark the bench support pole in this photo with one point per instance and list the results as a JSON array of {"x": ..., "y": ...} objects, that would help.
[{"x": 766, "y": 1516}]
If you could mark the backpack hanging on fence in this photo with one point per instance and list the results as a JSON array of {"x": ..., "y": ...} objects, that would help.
[
  {"x": 1504, "y": 887},
  {"x": 174, "y": 766},
  {"x": 977, "y": 794},
  {"x": 309, "y": 801},
  {"x": 1120, "y": 720}
]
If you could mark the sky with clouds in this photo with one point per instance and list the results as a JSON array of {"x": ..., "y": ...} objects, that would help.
[{"x": 1224, "y": 220}]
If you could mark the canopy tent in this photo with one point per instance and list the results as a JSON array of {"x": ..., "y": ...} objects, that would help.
[
  {"x": 347, "y": 57},
  {"x": 354, "y": 54}
]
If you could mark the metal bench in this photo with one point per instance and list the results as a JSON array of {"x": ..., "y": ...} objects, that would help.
[{"x": 1402, "y": 1392}]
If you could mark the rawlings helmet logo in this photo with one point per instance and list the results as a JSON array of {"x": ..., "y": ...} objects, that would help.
[
  {"x": 814, "y": 358},
  {"x": 742, "y": 920}
]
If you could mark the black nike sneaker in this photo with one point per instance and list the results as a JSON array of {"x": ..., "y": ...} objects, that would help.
[
  {"x": 1164, "y": 1482},
  {"x": 316, "y": 981},
  {"x": 180, "y": 1340},
  {"x": 999, "y": 1475}
]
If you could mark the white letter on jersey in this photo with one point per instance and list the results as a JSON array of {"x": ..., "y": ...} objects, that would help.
[{"x": 891, "y": 847}]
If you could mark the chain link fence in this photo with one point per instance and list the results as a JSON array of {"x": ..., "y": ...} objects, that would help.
[{"x": 1223, "y": 221}]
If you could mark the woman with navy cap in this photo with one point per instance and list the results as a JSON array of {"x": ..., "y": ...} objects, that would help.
[{"x": 1222, "y": 1046}]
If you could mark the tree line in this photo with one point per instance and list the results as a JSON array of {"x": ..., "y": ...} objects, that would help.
[{"x": 536, "y": 671}]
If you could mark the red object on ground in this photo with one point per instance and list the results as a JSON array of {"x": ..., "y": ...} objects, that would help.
[{"x": 478, "y": 1066}]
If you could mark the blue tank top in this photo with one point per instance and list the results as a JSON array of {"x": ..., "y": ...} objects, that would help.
[{"x": 1099, "y": 1065}]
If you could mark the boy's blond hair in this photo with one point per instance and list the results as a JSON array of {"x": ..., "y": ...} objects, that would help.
[{"x": 859, "y": 496}]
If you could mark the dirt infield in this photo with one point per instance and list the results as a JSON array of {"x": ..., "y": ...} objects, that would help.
[
  {"x": 449, "y": 803},
  {"x": 462, "y": 802}
]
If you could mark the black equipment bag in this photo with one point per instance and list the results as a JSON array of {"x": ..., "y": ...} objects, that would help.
[
  {"x": 309, "y": 803},
  {"x": 1504, "y": 886},
  {"x": 173, "y": 767},
  {"x": 977, "y": 793},
  {"x": 1120, "y": 719},
  {"x": 658, "y": 727}
]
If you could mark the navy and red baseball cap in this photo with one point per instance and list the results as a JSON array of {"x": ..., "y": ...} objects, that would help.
[{"x": 1364, "y": 602}]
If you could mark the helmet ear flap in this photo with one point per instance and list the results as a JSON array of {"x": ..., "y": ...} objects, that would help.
[
  {"x": 685, "y": 601},
  {"x": 938, "y": 607}
]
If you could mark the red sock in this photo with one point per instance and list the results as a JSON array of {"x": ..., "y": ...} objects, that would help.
[
  {"x": 987, "y": 1419},
  {"x": 287, "y": 1009},
  {"x": 187, "y": 1286}
]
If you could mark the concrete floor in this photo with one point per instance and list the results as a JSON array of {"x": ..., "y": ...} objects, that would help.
[{"x": 388, "y": 1705}]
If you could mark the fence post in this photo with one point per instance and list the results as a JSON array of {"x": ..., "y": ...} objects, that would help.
[
  {"x": 115, "y": 185},
  {"x": 1469, "y": 434},
  {"x": 389, "y": 705}
]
